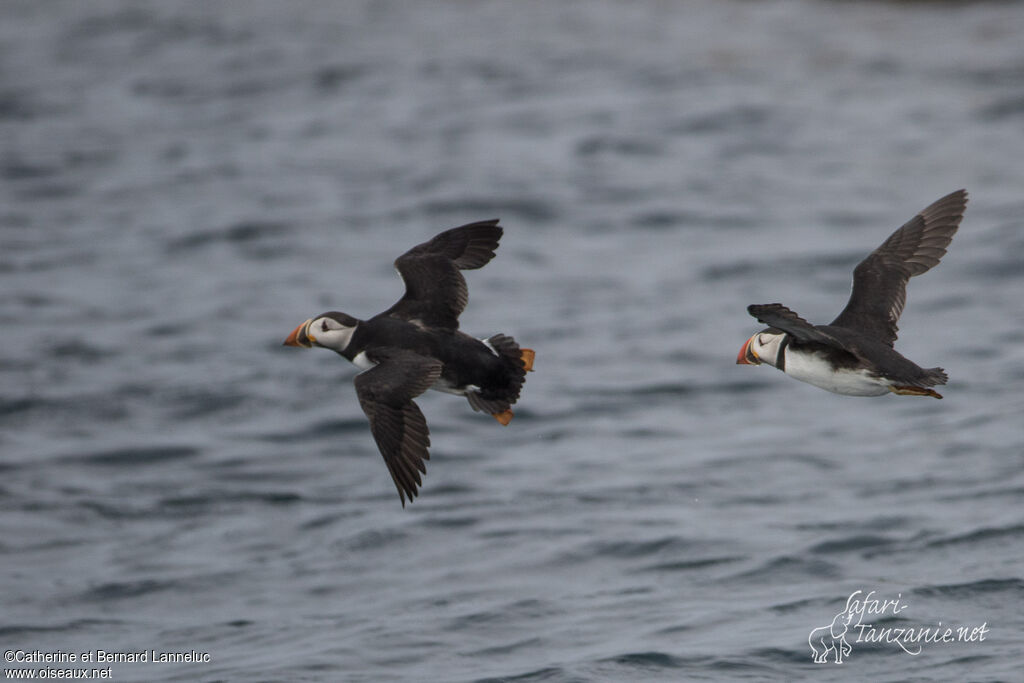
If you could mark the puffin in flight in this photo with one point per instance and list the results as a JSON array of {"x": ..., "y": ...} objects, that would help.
[
  {"x": 416, "y": 345},
  {"x": 854, "y": 355}
]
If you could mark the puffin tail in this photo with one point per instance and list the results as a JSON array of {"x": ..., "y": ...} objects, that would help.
[
  {"x": 934, "y": 376},
  {"x": 516, "y": 362}
]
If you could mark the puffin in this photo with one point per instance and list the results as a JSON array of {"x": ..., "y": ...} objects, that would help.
[
  {"x": 854, "y": 355},
  {"x": 416, "y": 345}
]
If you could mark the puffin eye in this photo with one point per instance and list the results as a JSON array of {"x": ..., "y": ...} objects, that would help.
[{"x": 323, "y": 326}]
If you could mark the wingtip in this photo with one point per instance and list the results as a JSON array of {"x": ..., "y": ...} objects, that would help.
[
  {"x": 964, "y": 196},
  {"x": 956, "y": 200},
  {"x": 757, "y": 309},
  {"x": 489, "y": 223},
  {"x": 495, "y": 224}
]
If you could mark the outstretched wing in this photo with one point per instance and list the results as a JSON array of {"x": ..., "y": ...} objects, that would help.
[
  {"x": 396, "y": 422},
  {"x": 435, "y": 291},
  {"x": 880, "y": 280},
  {"x": 787, "y": 320}
]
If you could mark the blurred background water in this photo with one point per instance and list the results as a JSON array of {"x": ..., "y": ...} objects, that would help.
[{"x": 181, "y": 183}]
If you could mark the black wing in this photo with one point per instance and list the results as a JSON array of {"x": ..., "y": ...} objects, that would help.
[
  {"x": 385, "y": 394},
  {"x": 782, "y": 318},
  {"x": 435, "y": 291},
  {"x": 880, "y": 280}
]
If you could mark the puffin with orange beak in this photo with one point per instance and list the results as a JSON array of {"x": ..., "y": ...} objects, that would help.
[
  {"x": 854, "y": 355},
  {"x": 416, "y": 345}
]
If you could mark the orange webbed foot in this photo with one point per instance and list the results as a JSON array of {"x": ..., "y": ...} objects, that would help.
[{"x": 914, "y": 391}]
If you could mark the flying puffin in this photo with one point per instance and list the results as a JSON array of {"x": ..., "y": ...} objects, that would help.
[
  {"x": 854, "y": 355},
  {"x": 416, "y": 345}
]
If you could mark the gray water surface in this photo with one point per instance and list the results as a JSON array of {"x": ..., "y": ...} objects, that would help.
[{"x": 181, "y": 183}]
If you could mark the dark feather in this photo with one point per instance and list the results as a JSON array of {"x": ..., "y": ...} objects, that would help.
[
  {"x": 435, "y": 291},
  {"x": 786, "y": 320},
  {"x": 385, "y": 393},
  {"x": 880, "y": 280},
  {"x": 499, "y": 398}
]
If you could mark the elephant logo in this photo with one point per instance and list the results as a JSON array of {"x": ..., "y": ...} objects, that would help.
[{"x": 832, "y": 639}]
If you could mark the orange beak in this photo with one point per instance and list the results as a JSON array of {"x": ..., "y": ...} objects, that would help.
[
  {"x": 299, "y": 336},
  {"x": 747, "y": 356}
]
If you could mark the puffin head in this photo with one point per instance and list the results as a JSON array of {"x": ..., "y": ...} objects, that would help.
[
  {"x": 331, "y": 330},
  {"x": 763, "y": 347}
]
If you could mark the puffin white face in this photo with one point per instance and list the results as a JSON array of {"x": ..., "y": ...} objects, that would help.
[
  {"x": 763, "y": 347},
  {"x": 331, "y": 331}
]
